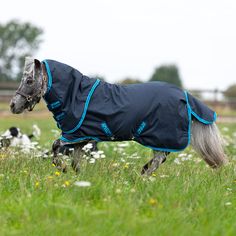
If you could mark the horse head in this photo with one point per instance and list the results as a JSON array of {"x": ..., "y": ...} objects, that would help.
[{"x": 31, "y": 89}]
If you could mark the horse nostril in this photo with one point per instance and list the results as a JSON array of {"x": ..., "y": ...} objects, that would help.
[{"x": 12, "y": 105}]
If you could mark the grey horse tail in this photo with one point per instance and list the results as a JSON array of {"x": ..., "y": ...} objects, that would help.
[{"x": 207, "y": 141}]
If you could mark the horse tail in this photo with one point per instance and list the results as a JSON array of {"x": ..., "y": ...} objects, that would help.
[{"x": 207, "y": 141}]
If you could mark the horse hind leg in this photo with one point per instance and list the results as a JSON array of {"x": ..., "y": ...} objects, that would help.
[{"x": 154, "y": 163}]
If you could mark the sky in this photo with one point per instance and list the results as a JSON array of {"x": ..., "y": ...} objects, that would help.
[{"x": 117, "y": 39}]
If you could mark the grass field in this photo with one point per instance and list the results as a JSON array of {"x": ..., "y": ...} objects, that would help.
[{"x": 183, "y": 197}]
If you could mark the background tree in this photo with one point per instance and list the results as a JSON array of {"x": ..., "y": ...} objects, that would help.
[
  {"x": 17, "y": 40},
  {"x": 230, "y": 92},
  {"x": 130, "y": 81},
  {"x": 167, "y": 73}
]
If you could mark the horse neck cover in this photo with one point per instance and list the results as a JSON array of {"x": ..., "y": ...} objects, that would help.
[{"x": 155, "y": 114}]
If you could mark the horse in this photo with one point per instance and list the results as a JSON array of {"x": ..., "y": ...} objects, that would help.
[{"x": 157, "y": 115}]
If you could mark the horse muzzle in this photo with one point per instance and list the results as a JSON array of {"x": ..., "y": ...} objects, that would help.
[{"x": 16, "y": 108}]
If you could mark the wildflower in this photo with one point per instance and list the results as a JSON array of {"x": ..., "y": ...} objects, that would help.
[
  {"x": 82, "y": 183},
  {"x": 164, "y": 176},
  {"x": 197, "y": 160},
  {"x": 92, "y": 161},
  {"x": 95, "y": 155},
  {"x": 151, "y": 178},
  {"x": 100, "y": 152},
  {"x": 182, "y": 155},
  {"x": 190, "y": 156},
  {"x": 50, "y": 177},
  {"x": 126, "y": 166},
  {"x": 66, "y": 184},
  {"x": 228, "y": 203},
  {"x": 53, "y": 165},
  {"x": 45, "y": 155},
  {"x": 123, "y": 144},
  {"x": 154, "y": 175},
  {"x": 87, "y": 147},
  {"x": 152, "y": 202},
  {"x": 2, "y": 155},
  {"x": 134, "y": 156},
  {"x": 177, "y": 161},
  {"x": 55, "y": 132},
  {"x": 37, "y": 184},
  {"x": 118, "y": 190},
  {"x": 226, "y": 129},
  {"x": 115, "y": 164},
  {"x": 57, "y": 173}
]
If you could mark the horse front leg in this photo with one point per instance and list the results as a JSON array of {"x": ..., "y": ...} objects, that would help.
[
  {"x": 154, "y": 163},
  {"x": 56, "y": 160}
]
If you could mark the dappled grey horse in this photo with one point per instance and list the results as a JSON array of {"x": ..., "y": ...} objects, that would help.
[{"x": 157, "y": 115}]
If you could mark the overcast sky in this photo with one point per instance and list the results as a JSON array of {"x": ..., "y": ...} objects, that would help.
[{"x": 129, "y": 38}]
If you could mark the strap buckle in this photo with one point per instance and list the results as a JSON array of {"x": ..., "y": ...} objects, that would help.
[{"x": 29, "y": 98}]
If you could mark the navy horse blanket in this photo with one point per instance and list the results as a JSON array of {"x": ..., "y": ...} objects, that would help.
[{"x": 155, "y": 114}]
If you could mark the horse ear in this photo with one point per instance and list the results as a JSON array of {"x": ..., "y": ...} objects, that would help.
[{"x": 37, "y": 64}]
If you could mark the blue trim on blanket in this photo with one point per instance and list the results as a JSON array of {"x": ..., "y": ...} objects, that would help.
[
  {"x": 54, "y": 105},
  {"x": 85, "y": 108},
  {"x": 79, "y": 139},
  {"x": 49, "y": 76},
  {"x": 189, "y": 130},
  {"x": 206, "y": 122},
  {"x": 106, "y": 129},
  {"x": 60, "y": 116},
  {"x": 165, "y": 149},
  {"x": 141, "y": 128},
  {"x": 189, "y": 118}
]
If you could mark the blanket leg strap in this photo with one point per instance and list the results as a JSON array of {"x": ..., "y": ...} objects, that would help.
[{"x": 154, "y": 163}]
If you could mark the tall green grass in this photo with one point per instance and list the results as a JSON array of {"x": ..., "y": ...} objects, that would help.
[{"x": 183, "y": 197}]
